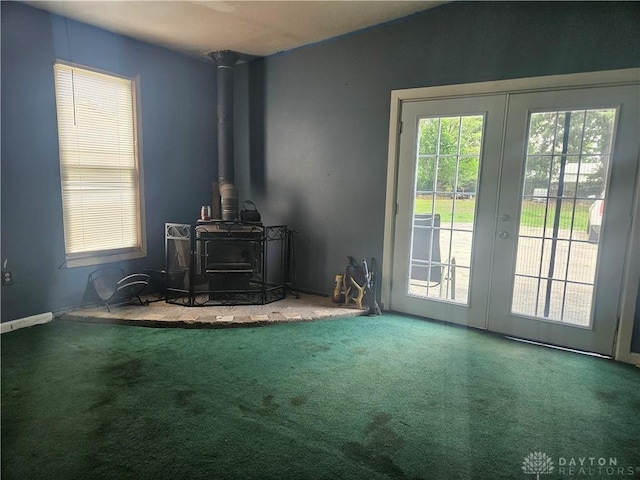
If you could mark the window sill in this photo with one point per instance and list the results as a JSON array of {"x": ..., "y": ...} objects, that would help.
[{"x": 98, "y": 259}]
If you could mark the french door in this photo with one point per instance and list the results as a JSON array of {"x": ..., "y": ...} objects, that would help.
[
  {"x": 566, "y": 196},
  {"x": 513, "y": 212},
  {"x": 442, "y": 257}
]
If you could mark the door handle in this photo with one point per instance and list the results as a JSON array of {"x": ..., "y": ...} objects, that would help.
[
  {"x": 503, "y": 234},
  {"x": 505, "y": 217}
]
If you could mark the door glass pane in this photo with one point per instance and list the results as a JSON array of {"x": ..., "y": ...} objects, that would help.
[
  {"x": 446, "y": 169},
  {"x": 563, "y": 202}
]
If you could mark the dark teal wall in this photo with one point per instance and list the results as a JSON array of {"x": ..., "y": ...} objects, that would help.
[
  {"x": 178, "y": 145},
  {"x": 314, "y": 131},
  {"x": 311, "y": 124}
]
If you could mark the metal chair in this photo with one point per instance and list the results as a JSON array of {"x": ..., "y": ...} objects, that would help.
[
  {"x": 426, "y": 261},
  {"x": 113, "y": 287}
]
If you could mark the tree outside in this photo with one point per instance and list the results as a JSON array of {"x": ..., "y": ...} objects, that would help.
[
  {"x": 455, "y": 143},
  {"x": 588, "y": 147},
  {"x": 449, "y": 151}
]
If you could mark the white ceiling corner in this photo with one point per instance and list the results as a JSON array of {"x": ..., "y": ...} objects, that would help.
[{"x": 253, "y": 28}]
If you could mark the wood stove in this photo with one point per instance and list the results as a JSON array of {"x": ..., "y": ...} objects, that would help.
[{"x": 226, "y": 263}]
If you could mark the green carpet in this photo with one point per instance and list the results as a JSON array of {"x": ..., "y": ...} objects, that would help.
[{"x": 359, "y": 398}]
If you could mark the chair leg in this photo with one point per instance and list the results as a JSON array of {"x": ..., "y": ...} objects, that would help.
[
  {"x": 453, "y": 278},
  {"x": 449, "y": 277}
]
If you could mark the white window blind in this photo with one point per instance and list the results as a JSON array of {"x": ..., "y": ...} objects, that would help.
[{"x": 98, "y": 163}]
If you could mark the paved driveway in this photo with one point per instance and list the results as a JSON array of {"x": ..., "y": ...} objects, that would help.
[{"x": 575, "y": 261}]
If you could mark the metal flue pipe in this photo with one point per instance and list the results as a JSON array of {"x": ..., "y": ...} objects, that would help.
[{"x": 225, "y": 61}]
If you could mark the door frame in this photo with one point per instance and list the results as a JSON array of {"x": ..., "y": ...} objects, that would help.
[{"x": 522, "y": 85}]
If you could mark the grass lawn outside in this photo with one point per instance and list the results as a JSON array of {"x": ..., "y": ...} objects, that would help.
[{"x": 532, "y": 214}]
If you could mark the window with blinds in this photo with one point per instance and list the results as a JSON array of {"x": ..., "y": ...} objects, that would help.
[{"x": 99, "y": 166}]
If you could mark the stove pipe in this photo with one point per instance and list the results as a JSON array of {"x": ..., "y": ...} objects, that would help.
[{"x": 225, "y": 60}]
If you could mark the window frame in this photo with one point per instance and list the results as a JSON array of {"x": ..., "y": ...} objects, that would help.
[{"x": 97, "y": 257}]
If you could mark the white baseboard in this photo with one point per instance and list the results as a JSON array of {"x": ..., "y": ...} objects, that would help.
[
  {"x": 634, "y": 358},
  {"x": 26, "y": 322}
]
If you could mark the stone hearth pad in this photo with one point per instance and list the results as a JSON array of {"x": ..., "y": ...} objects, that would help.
[{"x": 162, "y": 314}]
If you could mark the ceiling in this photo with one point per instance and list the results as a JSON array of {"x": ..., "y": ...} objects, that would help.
[{"x": 253, "y": 28}]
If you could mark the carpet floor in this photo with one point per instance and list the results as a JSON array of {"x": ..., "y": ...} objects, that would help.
[{"x": 354, "y": 398}]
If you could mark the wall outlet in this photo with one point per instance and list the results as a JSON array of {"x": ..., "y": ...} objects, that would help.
[{"x": 7, "y": 277}]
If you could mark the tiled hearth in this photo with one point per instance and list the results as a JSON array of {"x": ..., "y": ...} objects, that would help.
[{"x": 162, "y": 314}]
